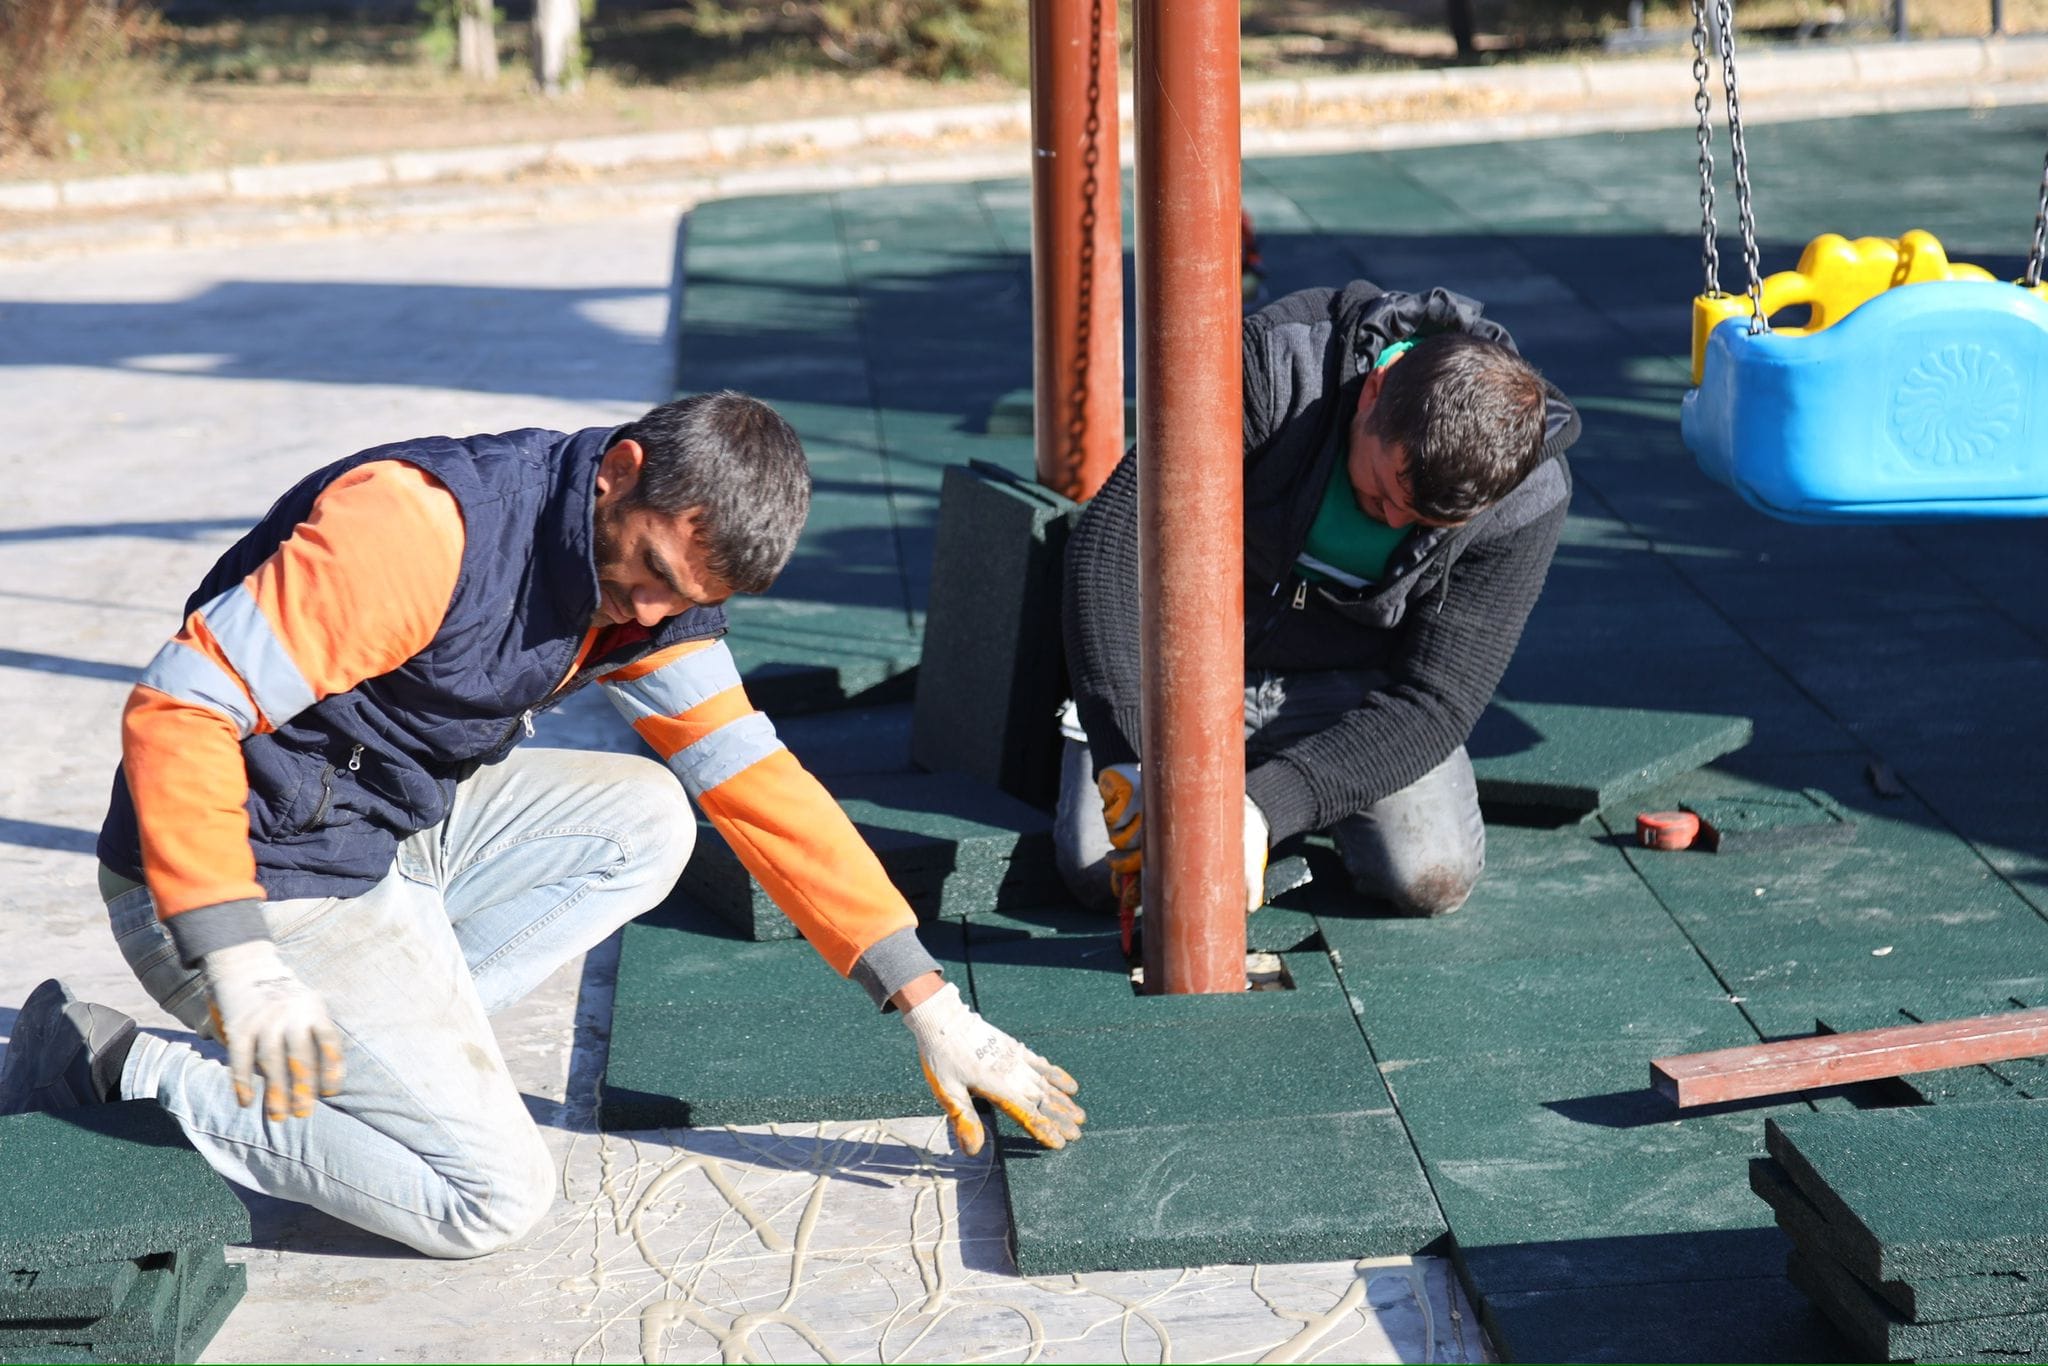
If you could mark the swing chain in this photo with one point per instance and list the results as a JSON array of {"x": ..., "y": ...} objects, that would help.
[
  {"x": 1724, "y": 15},
  {"x": 2040, "y": 248},
  {"x": 1084, "y": 300},
  {"x": 1703, "y": 102}
]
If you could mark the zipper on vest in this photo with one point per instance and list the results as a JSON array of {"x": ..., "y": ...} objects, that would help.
[
  {"x": 526, "y": 720},
  {"x": 1300, "y": 594},
  {"x": 355, "y": 760},
  {"x": 326, "y": 798}
]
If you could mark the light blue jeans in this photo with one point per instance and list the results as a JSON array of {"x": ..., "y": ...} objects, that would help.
[
  {"x": 1421, "y": 849},
  {"x": 429, "y": 1143}
]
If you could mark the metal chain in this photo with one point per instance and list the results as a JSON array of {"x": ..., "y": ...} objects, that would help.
[
  {"x": 1084, "y": 316},
  {"x": 1710, "y": 250},
  {"x": 1724, "y": 15},
  {"x": 2040, "y": 248}
]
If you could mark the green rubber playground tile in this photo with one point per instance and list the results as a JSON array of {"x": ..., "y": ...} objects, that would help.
[
  {"x": 682, "y": 955},
  {"x": 159, "y": 1321},
  {"x": 2015, "y": 1079},
  {"x": 1920, "y": 1191},
  {"x": 1272, "y": 1066},
  {"x": 89, "y": 1290},
  {"x": 1545, "y": 894},
  {"x": 823, "y": 1060},
  {"x": 1934, "y": 1299},
  {"x": 106, "y": 1183},
  {"x": 1657, "y": 1003},
  {"x": 1763, "y": 1319},
  {"x": 1576, "y": 760},
  {"x": 1277, "y": 929},
  {"x": 690, "y": 1045},
  {"x": 1680, "y": 679},
  {"x": 1744, "y": 825},
  {"x": 205, "y": 1307},
  {"x": 953, "y": 847},
  {"x": 1285, "y": 1189},
  {"x": 850, "y": 741},
  {"x": 1083, "y": 982},
  {"x": 1900, "y": 906},
  {"x": 1853, "y": 1004},
  {"x": 1563, "y": 1169},
  {"x": 989, "y": 688},
  {"x": 1881, "y": 1334},
  {"x": 147, "y": 1313}
]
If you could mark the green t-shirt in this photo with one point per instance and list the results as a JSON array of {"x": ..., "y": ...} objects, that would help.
[{"x": 1344, "y": 545}]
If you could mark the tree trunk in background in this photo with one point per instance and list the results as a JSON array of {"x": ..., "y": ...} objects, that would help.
[
  {"x": 1463, "y": 28},
  {"x": 557, "y": 38},
  {"x": 476, "y": 40}
]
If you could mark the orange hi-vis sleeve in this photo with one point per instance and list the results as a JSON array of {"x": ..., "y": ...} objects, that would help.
[
  {"x": 687, "y": 703},
  {"x": 357, "y": 589}
]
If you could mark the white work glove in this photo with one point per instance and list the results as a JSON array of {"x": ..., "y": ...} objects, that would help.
[
  {"x": 1256, "y": 834},
  {"x": 274, "y": 1024},
  {"x": 965, "y": 1056}
]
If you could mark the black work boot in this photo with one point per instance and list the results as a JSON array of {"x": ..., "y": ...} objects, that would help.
[{"x": 63, "y": 1053}]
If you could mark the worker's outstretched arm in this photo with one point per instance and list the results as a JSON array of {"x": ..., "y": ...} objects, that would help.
[
  {"x": 687, "y": 702},
  {"x": 357, "y": 589}
]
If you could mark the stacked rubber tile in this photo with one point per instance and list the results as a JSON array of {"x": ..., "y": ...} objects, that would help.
[
  {"x": 992, "y": 679},
  {"x": 1922, "y": 1231},
  {"x": 112, "y": 1238},
  {"x": 951, "y": 845}
]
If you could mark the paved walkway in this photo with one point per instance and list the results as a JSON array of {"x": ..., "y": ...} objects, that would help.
[{"x": 159, "y": 400}]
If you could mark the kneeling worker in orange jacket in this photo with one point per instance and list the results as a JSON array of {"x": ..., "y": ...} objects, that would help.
[{"x": 326, "y": 846}]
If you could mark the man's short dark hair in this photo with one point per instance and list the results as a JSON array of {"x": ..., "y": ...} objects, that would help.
[
  {"x": 1470, "y": 415},
  {"x": 735, "y": 458}
]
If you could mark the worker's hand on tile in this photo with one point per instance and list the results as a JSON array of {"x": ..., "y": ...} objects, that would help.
[
  {"x": 1256, "y": 835},
  {"x": 965, "y": 1056},
  {"x": 1123, "y": 811},
  {"x": 274, "y": 1024}
]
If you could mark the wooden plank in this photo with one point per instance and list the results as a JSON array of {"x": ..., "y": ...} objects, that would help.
[{"x": 1836, "y": 1059}]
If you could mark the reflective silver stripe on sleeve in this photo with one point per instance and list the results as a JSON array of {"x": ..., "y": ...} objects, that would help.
[
  {"x": 258, "y": 655},
  {"x": 733, "y": 748},
  {"x": 182, "y": 672},
  {"x": 676, "y": 686}
]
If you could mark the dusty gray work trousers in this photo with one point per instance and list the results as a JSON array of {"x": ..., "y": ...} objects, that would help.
[{"x": 1421, "y": 850}]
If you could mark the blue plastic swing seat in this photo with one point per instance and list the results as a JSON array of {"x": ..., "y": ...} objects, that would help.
[{"x": 1922, "y": 403}]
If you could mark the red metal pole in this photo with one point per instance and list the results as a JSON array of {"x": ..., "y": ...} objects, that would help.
[
  {"x": 1191, "y": 492},
  {"x": 1077, "y": 268}
]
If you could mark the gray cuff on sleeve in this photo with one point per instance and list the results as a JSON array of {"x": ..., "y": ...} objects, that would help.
[
  {"x": 203, "y": 929},
  {"x": 887, "y": 966}
]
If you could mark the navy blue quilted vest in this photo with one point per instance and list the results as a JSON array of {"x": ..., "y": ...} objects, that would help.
[{"x": 333, "y": 791}]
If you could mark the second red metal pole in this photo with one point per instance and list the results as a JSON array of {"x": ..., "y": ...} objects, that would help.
[
  {"x": 1191, "y": 492},
  {"x": 1077, "y": 266}
]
